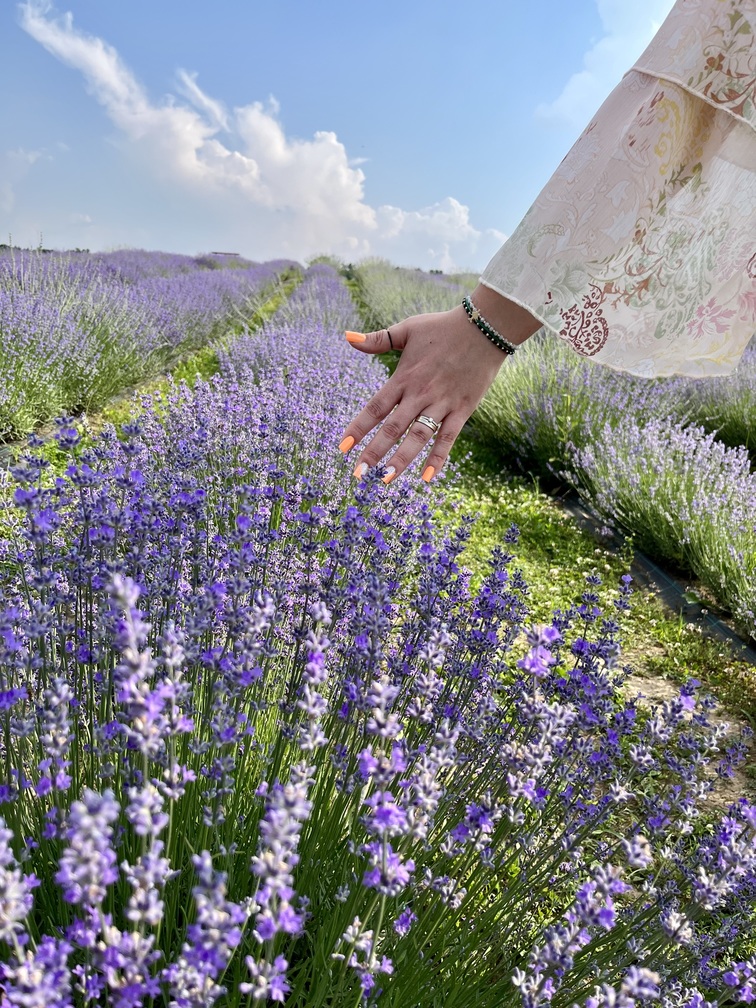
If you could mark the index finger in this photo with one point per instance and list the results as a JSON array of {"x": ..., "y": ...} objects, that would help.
[{"x": 375, "y": 411}]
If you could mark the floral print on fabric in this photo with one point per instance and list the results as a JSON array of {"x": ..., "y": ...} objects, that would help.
[{"x": 640, "y": 250}]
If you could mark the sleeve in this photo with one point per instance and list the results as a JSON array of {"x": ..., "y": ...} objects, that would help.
[{"x": 640, "y": 252}]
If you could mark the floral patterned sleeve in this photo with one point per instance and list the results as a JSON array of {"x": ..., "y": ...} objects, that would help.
[{"x": 640, "y": 252}]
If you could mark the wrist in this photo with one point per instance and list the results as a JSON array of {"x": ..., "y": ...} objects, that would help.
[
  {"x": 485, "y": 349},
  {"x": 512, "y": 321}
]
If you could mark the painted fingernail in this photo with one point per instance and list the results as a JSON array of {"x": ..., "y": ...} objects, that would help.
[
  {"x": 360, "y": 470},
  {"x": 390, "y": 473},
  {"x": 355, "y": 337},
  {"x": 428, "y": 473},
  {"x": 346, "y": 444}
]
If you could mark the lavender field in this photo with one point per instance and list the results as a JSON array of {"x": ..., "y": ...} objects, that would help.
[
  {"x": 77, "y": 328},
  {"x": 263, "y": 742}
]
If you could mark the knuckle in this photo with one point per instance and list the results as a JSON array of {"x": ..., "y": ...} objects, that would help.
[
  {"x": 375, "y": 409},
  {"x": 392, "y": 429},
  {"x": 420, "y": 433},
  {"x": 446, "y": 438}
]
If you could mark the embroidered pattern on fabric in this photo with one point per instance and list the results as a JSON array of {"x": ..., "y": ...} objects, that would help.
[{"x": 586, "y": 328}]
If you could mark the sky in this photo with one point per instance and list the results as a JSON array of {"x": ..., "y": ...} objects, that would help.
[{"x": 416, "y": 130}]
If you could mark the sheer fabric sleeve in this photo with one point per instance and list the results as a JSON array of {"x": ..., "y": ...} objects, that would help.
[{"x": 640, "y": 252}]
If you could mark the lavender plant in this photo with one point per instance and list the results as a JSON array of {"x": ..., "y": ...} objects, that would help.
[
  {"x": 261, "y": 742},
  {"x": 547, "y": 400},
  {"x": 727, "y": 406},
  {"x": 390, "y": 293}
]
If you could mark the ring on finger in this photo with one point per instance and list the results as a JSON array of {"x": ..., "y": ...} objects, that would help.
[{"x": 434, "y": 425}]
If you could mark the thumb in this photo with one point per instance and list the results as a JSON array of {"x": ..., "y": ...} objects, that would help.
[{"x": 378, "y": 342}]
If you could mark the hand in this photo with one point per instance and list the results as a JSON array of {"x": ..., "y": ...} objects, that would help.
[{"x": 446, "y": 367}]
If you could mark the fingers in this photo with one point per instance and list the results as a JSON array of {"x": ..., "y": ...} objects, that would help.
[
  {"x": 380, "y": 341},
  {"x": 417, "y": 439},
  {"x": 381, "y": 406},
  {"x": 398, "y": 424},
  {"x": 442, "y": 444},
  {"x": 413, "y": 437},
  {"x": 401, "y": 424}
]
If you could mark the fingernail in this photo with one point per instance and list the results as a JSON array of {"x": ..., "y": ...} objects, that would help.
[
  {"x": 355, "y": 337},
  {"x": 428, "y": 473},
  {"x": 360, "y": 470},
  {"x": 346, "y": 444},
  {"x": 390, "y": 473}
]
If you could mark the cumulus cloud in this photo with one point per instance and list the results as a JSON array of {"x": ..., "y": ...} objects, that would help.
[
  {"x": 627, "y": 30},
  {"x": 303, "y": 195},
  {"x": 440, "y": 235}
]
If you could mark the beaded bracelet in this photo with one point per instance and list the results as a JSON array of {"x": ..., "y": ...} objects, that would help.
[{"x": 488, "y": 330}]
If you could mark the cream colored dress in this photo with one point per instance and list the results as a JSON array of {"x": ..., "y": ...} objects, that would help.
[{"x": 641, "y": 250}]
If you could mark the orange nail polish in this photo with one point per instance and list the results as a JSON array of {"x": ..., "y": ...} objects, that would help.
[
  {"x": 346, "y": 444},
  {"x": 428, "y": 473},
  {"x": 355, "y": 337},
  {"x": 390, "y": 474},
  {"x": 360, "y": 469}
]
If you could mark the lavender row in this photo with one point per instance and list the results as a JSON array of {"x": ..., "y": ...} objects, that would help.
[
  {"x": 261, "y": 741},
  {"x": 685, "y": 496},
  {"x": 77, "y": 328},
  {"x": 390, "y": 293}
]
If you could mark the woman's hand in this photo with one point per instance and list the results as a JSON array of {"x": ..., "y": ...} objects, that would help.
[{"x": 446, "y": 367}]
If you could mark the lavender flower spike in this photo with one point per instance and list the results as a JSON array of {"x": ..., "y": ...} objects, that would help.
[
  {"x": 15, "y": 890},
  {"x": 88, "y": 865},
  {"x": 41, "y": 979}
]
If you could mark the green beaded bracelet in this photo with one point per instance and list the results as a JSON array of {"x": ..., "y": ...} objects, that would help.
[{"x": 488, "y": 330}]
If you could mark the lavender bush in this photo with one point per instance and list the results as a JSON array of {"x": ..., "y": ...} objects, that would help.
[
  {"x": 75, "y": 328},
  {"x": 686, "y": 497},
  {"x": 727, "y": 406},
  {"x": 261, "y": 742},
  {"x": 547, "y": 400}
]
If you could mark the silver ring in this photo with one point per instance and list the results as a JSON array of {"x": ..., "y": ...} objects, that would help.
[{"x": 429, "y": 422}]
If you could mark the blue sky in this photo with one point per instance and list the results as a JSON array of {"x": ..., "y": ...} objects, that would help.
[{"x": 416, "y": 130}]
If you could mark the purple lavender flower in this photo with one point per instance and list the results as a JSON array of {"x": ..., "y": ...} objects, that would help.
[
  {"x": 15, "y": 890},
  {"x": 211, "y": 940},
  {"x": 286, "y": 808},
  {"x": 88, "y": 864},
  {"x": 268, "y": 980},
  {"x": 39, "y": 978}
]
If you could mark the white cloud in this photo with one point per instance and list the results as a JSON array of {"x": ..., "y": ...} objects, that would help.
[
  {"x": 22, "y": 158},
  {"x": 215, "y": 110},
  {"x": 441, "y": 236},
  {"x": 300, "y": 196},
  {"x": 80, "y": 218},
  {"x": 627, "y": 30}
]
